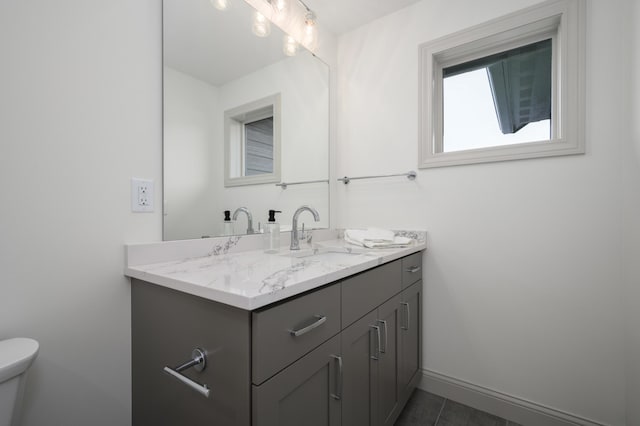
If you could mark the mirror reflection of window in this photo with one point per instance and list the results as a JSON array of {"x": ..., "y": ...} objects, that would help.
[
  {"x": 258, "y": 147},
  {"x": 498, "y": 100},
  {"x": 252, "y": 142}
]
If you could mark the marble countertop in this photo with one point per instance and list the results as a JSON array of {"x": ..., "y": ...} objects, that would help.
[{"x": 248, "y": 278}]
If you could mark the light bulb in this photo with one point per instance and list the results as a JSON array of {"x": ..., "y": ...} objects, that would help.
[
  {"x": 261, "y": 26},
  {"x": 290, "y": 46},
  {"x": 310, "y": 35},
  {"x": 221, "y": 4}
]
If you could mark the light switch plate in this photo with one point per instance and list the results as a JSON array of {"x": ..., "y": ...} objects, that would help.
[{"x": 141, "y": 195}]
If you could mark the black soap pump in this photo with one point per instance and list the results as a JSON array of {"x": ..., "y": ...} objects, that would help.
[
  {"x": 227, "y": 225},
  {"x": 272, "y": 233}
]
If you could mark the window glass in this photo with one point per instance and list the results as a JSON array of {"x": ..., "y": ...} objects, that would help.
[
  {"x": 498, "y": 100},
  {"x": 258, "y": 147}
]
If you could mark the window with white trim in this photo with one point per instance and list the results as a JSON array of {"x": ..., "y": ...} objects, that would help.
[{"x": 508, "y": 89}]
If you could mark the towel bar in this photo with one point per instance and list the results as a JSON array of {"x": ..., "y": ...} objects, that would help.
[
  {"x": 285, "y": 184},
  {"x": 411, "y": 175}
]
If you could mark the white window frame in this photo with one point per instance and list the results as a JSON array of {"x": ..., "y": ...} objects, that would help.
[
  {"x": 234, "y": 120},
  {"x": 561, "y": 20}
]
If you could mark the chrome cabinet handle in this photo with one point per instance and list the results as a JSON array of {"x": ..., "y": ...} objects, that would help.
[
  {"x": 376, "y": 329},
  {"x": 413, "y": 269},
  {"x": 407, "y": 316},
  {"x": 386, "y": 336},
  {"x": 338, "y": 394},
  {"x": 198, "y": 361},
  {"x": 320, "y": 320}
]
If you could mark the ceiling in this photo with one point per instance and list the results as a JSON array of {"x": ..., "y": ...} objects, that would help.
[
  {"x": 341, "y": 16},
  {"x": 215, "y": 46},
  {"x": 219, "y": 47}
]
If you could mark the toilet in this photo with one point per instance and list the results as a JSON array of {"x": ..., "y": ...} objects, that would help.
[{"x": 16, "y": 356}]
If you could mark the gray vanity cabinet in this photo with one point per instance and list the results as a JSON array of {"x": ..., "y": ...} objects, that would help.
[
  {"x": 348, "y": 353},
  {"x": 360, "y": 372},
  {"x": 166, "y": 325},
  {"x": 410, "y": 330},
  {"x": 388, "y": 361},
  {"x": 308, "y": 392},
  {"x": 410, "y": 339},
  {"x": 370, "y": 350},
  {"x": 370, "y": 302},
  {"x": 283, "y": 333}
]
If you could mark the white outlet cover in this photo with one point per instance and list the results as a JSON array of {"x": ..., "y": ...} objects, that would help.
[{"x": 141, "y": 195}]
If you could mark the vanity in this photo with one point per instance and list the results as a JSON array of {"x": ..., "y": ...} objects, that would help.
[{"x": 330, "y": 335}]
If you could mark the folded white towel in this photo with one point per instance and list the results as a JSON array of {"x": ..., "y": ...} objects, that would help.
[{"x": 375, "y": 238}]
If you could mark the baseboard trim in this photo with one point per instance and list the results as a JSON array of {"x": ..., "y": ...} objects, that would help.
[{"x": 519, "y": 410}]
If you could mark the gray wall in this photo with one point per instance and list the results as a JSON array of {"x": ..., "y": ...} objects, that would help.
[
  {"x": 632, "y": 224},
  {"x": 80, "y": 113}
]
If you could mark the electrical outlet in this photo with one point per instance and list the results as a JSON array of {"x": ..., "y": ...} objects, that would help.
[{"x": 141, "y": 195}]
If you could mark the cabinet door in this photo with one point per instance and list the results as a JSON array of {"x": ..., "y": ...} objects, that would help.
[
  {"x": 410, "y": 338},
  {"x": 307, "y": 392},
  {"x": 388, "y": 364},
  {"x": 166, "y": 325},
  {"x": 360, "y": 358}
]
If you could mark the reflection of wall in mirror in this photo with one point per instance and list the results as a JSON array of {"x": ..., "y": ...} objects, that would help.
[
  {"x": 302, "y": 83},
  {"x": 189, "y": 105}
]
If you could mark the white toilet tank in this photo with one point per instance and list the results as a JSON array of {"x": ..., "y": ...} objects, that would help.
[{"x": 16, "y": 356}]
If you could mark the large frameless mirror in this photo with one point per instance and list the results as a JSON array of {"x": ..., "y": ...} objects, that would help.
[{"x": 240, "y": 118}]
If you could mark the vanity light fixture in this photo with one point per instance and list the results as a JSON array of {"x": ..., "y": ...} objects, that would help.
[
  {"x": 290, "y": 46},
  {"x": 307, "y": 35},
  {"x": 310, "y": 37},
  {"x": 221, "y": 4},
  {"x": 294, "y": 17},
  {"x": 261, "y": 25}
]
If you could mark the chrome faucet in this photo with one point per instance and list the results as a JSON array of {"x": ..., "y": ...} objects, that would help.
[
  {"x": 249, "y": 218},
  {"x": 295, "y": 244}
]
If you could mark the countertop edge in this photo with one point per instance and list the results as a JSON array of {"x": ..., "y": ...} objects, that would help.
[{"x": 256, "y": 302}]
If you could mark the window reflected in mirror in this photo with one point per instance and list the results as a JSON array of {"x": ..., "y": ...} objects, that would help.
[
  {"x": 252, "y": 142},
  {"x": 499, "y": 100}
]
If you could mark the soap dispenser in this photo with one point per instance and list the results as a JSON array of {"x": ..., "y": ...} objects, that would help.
[
  {"x": 272, "y": 233},
  {"x": 227, "y": 225}
]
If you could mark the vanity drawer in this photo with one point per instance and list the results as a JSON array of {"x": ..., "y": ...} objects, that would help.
[
  {"x": 366, "y": 291},
  {"x": 411, "y": 269},
  {"x": 284, "y": 333}
]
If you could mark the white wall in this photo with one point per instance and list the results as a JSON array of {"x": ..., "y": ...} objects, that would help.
[
  {"x": 80, "y": 114},
  {"x": 523, "y": 274},
  {"x": 190, "y": 132},
  {"x": 632, "y": 234}
]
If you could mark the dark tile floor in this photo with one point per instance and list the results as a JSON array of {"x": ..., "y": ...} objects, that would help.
[{"x": 427, "y": 409}]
